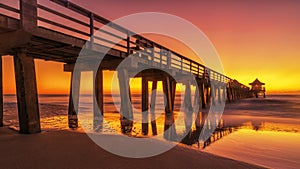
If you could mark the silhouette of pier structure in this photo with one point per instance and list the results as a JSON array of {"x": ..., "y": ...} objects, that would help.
[{"x": 27, "y": 34}]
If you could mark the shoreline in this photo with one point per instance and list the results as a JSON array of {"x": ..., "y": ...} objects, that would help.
[{"x": 66, "y": 149}]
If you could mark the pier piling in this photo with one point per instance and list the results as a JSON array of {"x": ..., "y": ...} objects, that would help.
[
  {"x": 126, "y": 106},
  {"x": 1, "y": 93},
  {"x": 74, "y": 99},
  {"x": 27, "y": 96},
  {"x": 98, "y": 102},
  {"x": 169, "y": 128},
  {"x": 145, "y": 105},
  {"x": 152, "y": 107}
]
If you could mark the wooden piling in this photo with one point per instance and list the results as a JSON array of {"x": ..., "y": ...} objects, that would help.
[
  {"x": 224, "y": 92},
  {"x": 202, "y": 95},
  {"x": 74, "y": 99},
  {"x": 197, "y": 106},
  {"x": 27, "y": 97},
  {"x": 208, "y": 94},
  {"x": 228, "y": 92},
  {"x": 219, "y": 94},
  {"x": 213, "y": 94},
  {"x": 126, "y": 117},
  {"x": 188, "y": 107},
  {"x": 169, "y": 128},
  {"x": 1, "y": 93},
  {"x": 98, "y": 102},
  {"x": 145, "y": 107},
  {"x": 152, "y": 108}
]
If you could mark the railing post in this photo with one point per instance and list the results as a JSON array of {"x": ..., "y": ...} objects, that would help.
[
  {"x": 91, "y": 29},
  {"x": 160, "y": 56},
  {"x": 152, "y": 52},
  {"x": 28, "y": 14},
  {"x": 181, "y": 64},
  {"x": 169, "y": 59},
  {"x": 128, "y": 43}
]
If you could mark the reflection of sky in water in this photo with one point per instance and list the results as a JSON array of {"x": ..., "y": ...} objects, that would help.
[{"x": 271, "y": 149}]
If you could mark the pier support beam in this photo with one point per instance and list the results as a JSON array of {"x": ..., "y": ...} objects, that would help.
[
  {"x": 27, "y": 97},
  {"x": 208, "y": 94},
  {"x": 224, "y": 93},
  {"x": 152, "y": 108},
  {"x": 169, "y": 128},
  {"x": 98, "y": 102},
  {"x": 188, "y": 108},
  {"x": 1, "y": 93},
  {"x": 145, "y": 107},
  {"x": 219, "y": 94},
  {"x": 126, "y": 106},
  {"x": 213, "y": 94},
  {"x": 74, "y": 99},
  {"x": 202, "y": 95}
]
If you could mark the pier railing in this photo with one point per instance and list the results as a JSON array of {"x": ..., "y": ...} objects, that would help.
[
  {"x": 68, "y": 18},
  {"x": 82, "y": 23}
]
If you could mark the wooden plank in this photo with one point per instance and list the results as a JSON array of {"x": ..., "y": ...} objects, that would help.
[
  {"x": 28, "y": 109},
  {"x": 9, "y": 8}
]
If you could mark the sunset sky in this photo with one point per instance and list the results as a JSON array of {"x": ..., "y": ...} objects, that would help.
[{"x": 254, "y": 39}]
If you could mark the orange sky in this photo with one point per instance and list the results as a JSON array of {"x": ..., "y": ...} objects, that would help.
[{"x": 253, "y": 38}]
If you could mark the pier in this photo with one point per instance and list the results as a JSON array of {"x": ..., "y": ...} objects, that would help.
[{"x": 27, "y": 38}]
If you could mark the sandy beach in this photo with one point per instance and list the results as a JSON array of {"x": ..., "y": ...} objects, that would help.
[{"x": 67, "y": 149}]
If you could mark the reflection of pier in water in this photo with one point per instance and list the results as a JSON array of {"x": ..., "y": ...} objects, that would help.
[{"x": 51, "y": 39}]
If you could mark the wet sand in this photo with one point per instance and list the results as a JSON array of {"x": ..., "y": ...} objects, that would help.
[{"x": 67, "y": 149}]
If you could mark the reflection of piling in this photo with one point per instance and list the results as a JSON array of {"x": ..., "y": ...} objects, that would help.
[{"x": 217, "y": 135}]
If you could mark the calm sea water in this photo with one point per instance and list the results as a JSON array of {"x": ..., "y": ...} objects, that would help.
[{"x": 268, "y": 131}]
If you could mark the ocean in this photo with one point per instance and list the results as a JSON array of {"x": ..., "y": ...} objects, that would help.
[{"x": 265, "y": 132}]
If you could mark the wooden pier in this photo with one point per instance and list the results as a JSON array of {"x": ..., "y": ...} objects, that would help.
[{"x": 27, "y": 38}]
